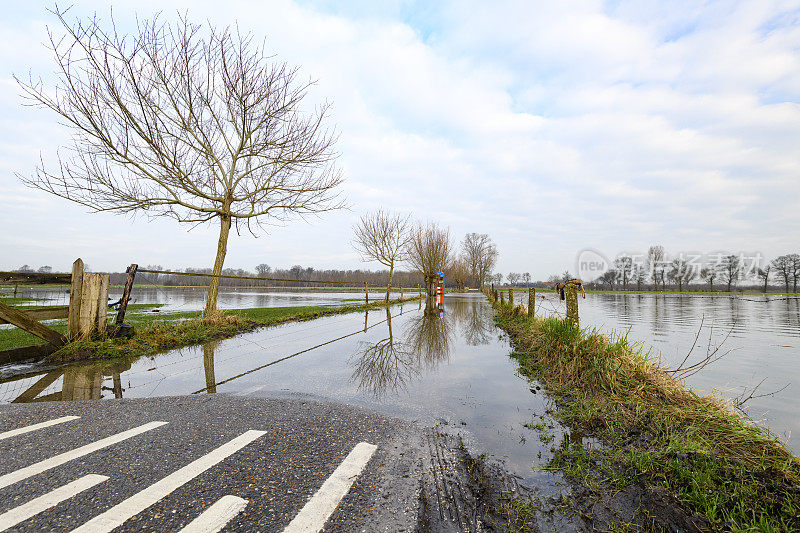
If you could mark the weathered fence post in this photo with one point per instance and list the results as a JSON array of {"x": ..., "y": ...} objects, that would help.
[
  {"x": 502, "y": 298},
  {"x": 401, "y": 293},
  {"x": 75, "y": 293},
  {"x": 511, "y": 296},
  {"x": 16, "y": 285},
  {"x": 366, "y": 293},
  {"x": 94, "y": 304},
  {"x": 531, "y": 301},
  {"x": 126, "y": 294},
  {"x": 571, "y": 292}
]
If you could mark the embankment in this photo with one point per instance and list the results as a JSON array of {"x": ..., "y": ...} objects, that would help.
[{"x": 658, "y": 437}]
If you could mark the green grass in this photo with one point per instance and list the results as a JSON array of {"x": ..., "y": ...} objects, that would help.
[
  {"x": 155, "y": 332},
  {"x": 716, "y": 463},
  {"x": 10, "y": 300},
  {"x": 18, "y": 338}
]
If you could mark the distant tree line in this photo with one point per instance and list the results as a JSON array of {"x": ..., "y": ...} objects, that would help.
[{"x": 728, "y": 272}]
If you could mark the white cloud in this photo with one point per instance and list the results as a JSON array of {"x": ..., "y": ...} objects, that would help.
[{"x": 551, "y": 126}]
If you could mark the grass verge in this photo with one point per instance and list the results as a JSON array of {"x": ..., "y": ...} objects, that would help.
[
  {"x": 154, "y": 333},
  {"x": 654, "y": 430}
]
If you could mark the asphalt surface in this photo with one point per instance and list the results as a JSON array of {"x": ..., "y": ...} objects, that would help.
[{"x": 277, "y": 473}]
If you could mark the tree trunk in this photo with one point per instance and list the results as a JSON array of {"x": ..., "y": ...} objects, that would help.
[
  {"x": 389, "y": 286},
  {"x": 222, "y": 249},
  {"x": 766, "y": 280}
]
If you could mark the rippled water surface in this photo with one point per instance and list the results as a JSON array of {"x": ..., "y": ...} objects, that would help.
[{"x": 760, "y": 335}]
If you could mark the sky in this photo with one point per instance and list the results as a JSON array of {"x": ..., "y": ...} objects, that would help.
[{"x": 554, "y": 127}]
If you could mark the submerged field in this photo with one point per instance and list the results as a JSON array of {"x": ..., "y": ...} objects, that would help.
[{"x": 717, "y": 464}]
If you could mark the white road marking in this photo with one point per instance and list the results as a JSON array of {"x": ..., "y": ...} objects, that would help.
[
  {"x": 217, "y": 516},
  {"x": 250, "y": 390},
  {"x": 117, "y": 515},
  {"x": 315, "y": 513},
  {"x": 42, "y": 503},
  {"x": 34, "y": 427},
  {"x": 60, "y": 459}
]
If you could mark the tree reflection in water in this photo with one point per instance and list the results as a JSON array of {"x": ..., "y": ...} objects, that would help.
[{"x": 389, "y": 364}]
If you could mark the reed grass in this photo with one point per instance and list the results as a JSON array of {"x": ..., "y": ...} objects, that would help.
[{"x": 716, "y": 462}]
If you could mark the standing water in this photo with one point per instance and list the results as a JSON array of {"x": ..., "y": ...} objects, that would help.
[{"x": 451, "y": 370}]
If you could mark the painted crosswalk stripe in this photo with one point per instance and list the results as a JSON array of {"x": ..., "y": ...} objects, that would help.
[
  {"x": 117, "y": 515},
  {"x": 60, "y": 459},
  {"x": 27, "y": 510},
  {"x": 319, "y": 508},
  {"x": 34, "y": 427},
  {"x": 217, "y": 516}
]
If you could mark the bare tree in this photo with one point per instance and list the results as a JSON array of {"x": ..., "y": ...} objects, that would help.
[
  {"x": 526, "y": 277},
  {"x": 45, "y": 269},
  {"x": 795, "y": 269},
  {"x": 764, "y": 274},
  {"x": 639, "y": 275},
  {"x": 655, "y": 263},
  {"x": 188, "y": 122},
  {"x": 429, "y": 252},
  {"x": 609, "y": 277},
  {"x": 709, "y": 274},
  {"x": 681, "y": 272},
  {"x": 783, "y": 267},
  {"x": 263, "y": 270},
  {"x": 383, "y": 237},
  {"x": 480, "y": 254},
  {"x": 730, "y": 267},
  {"x": 458, "y": 272},
  {"x": 624, "y": 265},
  {"x": 513, "y": 278}
]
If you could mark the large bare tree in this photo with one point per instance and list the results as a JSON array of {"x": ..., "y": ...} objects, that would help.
[
  {"x": 383, "y": 237},
  {"x": 186, "y": 121},
  {"x": 480, "y": 254},
  {"x": 430, "y": 252}
]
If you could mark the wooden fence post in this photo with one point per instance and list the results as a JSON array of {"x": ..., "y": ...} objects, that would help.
[
  {"x": 401, "y": 293},
  {"x": 366, "y": 293},
  {"x": 75, "y": 293},
  {"x": 126, "y": 294},
  {"x": 94, "y": 304},
  {"x": 511, "y": 296},
  {"x": 502, "y": 298},
  {"x": 531, "y": 301},
  {"x": 571, "y": 292},
  {"x": 23, "y": 321}
]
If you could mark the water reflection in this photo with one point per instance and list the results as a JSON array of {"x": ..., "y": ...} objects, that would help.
[
  {"x": 384, "y": 365},
  {"x": 388, "y": 364},
  {"x": 86, "y": 382}
]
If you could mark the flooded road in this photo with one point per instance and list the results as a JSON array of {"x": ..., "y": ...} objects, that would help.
[{"x": 452, "y": 370}]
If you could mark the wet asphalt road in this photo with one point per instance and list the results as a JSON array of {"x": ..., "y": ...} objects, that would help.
[{"x": 277, "y": 473}]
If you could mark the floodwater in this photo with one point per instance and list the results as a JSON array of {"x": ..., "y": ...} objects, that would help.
[
  {"x": 758, "y": 337},
  {"x": 193, "y": 298},
  {"x": 452, "y": 370}
]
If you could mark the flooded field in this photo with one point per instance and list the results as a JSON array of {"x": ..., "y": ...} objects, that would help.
[
  {"x": 760, "y": 335},
  {"x": 193, "y": 298},
  {"x": 452, "y": 370}
]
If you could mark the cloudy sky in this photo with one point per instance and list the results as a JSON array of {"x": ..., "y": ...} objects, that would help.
[{"x": 551, "y": 126}]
